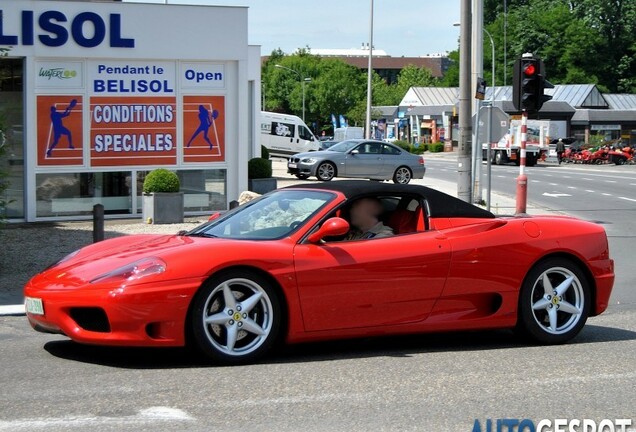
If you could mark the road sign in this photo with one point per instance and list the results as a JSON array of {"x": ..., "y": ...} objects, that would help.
[{"x": 498, "y": 127}]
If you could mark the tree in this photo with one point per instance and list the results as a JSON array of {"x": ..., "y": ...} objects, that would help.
[{"x": 580, "y": 41}]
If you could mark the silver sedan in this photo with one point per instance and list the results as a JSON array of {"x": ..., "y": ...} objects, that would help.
[{"x": 357, "y": 158}]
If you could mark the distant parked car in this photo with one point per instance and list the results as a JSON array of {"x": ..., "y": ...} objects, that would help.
[{"x": 358, "y": 158}]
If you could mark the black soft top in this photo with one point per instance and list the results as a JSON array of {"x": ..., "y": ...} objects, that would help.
[{"x": 439, "y": 203}]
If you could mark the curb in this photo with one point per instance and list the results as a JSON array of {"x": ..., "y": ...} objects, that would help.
[{"x": 12, "y": 310}]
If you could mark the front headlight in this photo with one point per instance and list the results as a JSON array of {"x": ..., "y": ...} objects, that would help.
[
  {"x": 309, "y": 160},
  {"x": 133, "y": 271}
]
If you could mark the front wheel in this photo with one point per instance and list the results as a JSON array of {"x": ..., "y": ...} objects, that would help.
[
  {"x": 236, "y": 317},
  {"x": 402, "y": 175},
  {"x": 326, "y": 171},
  {"x": 554, "y": 302}
]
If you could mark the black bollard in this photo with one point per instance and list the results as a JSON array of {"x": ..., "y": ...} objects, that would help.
[
  {"x": 98, "y": 223},
  {"x": 234, "y": 204}
]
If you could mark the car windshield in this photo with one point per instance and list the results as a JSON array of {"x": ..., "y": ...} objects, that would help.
[
  {"x": 344, "y": 146},
  {"x": 270, "y": 217}
]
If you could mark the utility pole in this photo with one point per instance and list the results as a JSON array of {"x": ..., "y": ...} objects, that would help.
[
  {"x": 464, "y": 165},
  {"x": 367, "y": 125}
]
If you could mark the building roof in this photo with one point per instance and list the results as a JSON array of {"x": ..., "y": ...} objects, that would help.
[
  {"x": 435, "y": 64},
  {"x": 621, "y": 101},
  {"x": 576, "y": 95},
  {"x": 352, "y": 52},
  {"x": 585, "y": 116}
]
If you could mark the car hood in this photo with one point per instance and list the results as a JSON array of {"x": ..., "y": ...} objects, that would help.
[{"x": 181, "y": 255}]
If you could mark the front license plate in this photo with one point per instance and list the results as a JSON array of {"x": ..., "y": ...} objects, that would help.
[
  {"x": 292, "y": 165},
  {"x": 34, "y": 306}
]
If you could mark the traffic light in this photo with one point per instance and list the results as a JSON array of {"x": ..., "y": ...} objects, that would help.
[{"x": 528, "y": 84}]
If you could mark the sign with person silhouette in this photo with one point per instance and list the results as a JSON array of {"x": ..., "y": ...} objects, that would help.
[
  {"x": 59, "y": 132},
  {"x": 203, "y": 129}
]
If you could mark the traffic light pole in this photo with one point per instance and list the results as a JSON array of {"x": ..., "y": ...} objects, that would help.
[{"x": 522, "y": 180}]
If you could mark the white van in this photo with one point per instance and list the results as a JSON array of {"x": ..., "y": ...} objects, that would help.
[
  {"x": 347, "y": 133},
  {"x": 285, "y": 134}
]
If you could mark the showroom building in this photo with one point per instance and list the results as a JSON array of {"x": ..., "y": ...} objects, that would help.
[{"x": 94, "y": 95}]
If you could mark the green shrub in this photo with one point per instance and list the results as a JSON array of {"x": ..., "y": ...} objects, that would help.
[
  {"x": 259, "y": 168},
  {"x": 404, "y": 145},
  {"x": 264, "y": 152},
  {"x": 436, "y": 148},
  {"x": 161, "y": 180},
  {"x": 419, "y": 149}
]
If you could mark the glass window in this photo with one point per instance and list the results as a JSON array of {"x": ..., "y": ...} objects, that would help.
[
  {"x": 12, "y": 137},
  {"x": 304, "y": 133},
  {"x": 75, "y": 194},
  {"x": 272, "y": 216},
  {"x": 389, "y": 149},
  {"x": 370, "y": 148},
  {"x": 283, "y": 129},
  {"x": 203, "y": 190}
]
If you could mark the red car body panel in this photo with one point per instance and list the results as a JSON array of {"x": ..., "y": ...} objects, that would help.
[{"x": 461, "y": 273}]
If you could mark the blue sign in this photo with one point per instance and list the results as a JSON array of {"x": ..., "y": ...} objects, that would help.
[{"x": 54, "y": 29}]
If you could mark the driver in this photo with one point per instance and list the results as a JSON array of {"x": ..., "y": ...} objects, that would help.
[{"x": 365, "y": 220}]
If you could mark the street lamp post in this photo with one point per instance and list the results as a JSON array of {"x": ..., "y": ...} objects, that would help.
[
  {"x": 489, "y": 128},
  {"x": 302, "y": 79}
]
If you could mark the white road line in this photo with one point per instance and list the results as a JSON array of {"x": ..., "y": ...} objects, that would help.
[
  {"x": 585, "y": 178},
  {"x": 607, "y": 194},
  {"x": 143, "y": 417},
  {"x": 589, "y": 190},
  {"x": 571, "y": 187},
  {"x": 554, "y": 184},
  {"x": 610, "y": 181},
  {"x": 12, "y": 310},
  {"x": 535, "y": 181},
  {"x": 627, "y": 199},
  {"x": 500, "y": 176}
]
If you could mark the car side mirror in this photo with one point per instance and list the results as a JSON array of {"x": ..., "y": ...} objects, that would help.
[
  {"x": 355, "y": 152},
  {"x": 332, "y": 227}
]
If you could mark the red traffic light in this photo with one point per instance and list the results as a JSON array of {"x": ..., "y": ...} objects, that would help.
[{"x": 529, "y": 70}]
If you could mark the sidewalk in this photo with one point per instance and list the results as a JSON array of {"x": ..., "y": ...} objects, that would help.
[{"x": 29, "y": 248}]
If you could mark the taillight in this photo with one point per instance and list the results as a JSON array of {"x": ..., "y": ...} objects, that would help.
[{"x": 421, "y": 160}]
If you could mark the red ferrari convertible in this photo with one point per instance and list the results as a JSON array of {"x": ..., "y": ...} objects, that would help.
[{"x": 282, "y": 268}]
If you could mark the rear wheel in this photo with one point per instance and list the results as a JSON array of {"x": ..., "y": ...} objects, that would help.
[
  {"x": 500, "y": 158},
  {"x": 402, "y": 175},
  {"x": 326, "y": 171},
  {"x": 554, "y": 302},
  {"x": 236, "y": 317}
]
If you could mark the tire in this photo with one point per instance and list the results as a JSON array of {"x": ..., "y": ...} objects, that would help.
[
  {"x": 556, "y": 313},
  {"x": 326, "y": 171},
  {"x": 620, "y": 160},
  {"x": 499, "y": 158},
  {"x": 302, "y": 176},
  {"x": 402, "y": 175},
  {"x": 227, "y": 326},
  {"x": 531, "y": 162}
]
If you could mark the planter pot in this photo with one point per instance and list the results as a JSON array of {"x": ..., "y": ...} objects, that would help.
[
  {"x": 162, "y": 208},
  {"x": 262, "y": 186}
]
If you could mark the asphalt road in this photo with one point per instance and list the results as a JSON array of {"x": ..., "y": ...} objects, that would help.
[
  {"x": 605, "y": 194},
  {"x": 421, "y": 383}
]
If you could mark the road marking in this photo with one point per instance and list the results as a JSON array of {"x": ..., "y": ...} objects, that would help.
[
  {"x": 535, "y": 181},
  {"x": 566, "y": 176},
  {"x": 627, "y": 199},
  {"x": 554, "y": 184},
  {"x": 610, "y": 181},
  {"x": 571, "y": 187},
  {"x": 143, "y": 417},
  {"x": 500, "y": 176},
  {"x": 556, "y": 195},
  {"x": 589, "y": 190},
  {"x": 12, "y": 310},
  {"x": 589, "y": 179},
  {"x": 607, "y": 194}
]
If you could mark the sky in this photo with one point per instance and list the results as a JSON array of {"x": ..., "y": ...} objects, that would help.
[{"x": 407, "y": 28}]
